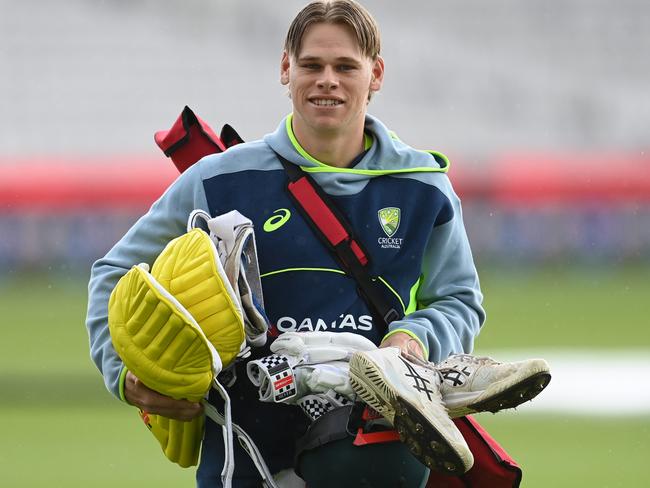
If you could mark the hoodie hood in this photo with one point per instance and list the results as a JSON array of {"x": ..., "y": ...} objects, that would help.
[{"x": 386, "y": 154}]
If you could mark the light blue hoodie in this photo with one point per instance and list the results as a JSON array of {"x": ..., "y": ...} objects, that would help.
[{"x": 398, "y": 200}]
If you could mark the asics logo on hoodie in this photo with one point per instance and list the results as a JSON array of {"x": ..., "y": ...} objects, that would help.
[{"x": 280, "y": 217}]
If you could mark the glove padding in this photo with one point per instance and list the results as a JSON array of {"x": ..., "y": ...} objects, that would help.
[
  {"x": 320, "y": 347},
  {"x": 308, "y": 368}
]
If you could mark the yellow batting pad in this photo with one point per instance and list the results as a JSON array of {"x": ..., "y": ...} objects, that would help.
[
  {"x": 180, "y": 441},
  {"x": 189, "y": 269},
  {"x": 157, "y": 339}
]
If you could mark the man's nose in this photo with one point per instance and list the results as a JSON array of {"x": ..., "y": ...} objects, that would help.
[{"x": 328, "y": 79}]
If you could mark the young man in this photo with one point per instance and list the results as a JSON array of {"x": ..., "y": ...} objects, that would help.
[{"x": 402, "y": 206}]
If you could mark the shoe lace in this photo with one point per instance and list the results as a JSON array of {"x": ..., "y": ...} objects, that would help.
[
  {"x": 429, "y": 366},
  {"x": 471, "y": 359}
]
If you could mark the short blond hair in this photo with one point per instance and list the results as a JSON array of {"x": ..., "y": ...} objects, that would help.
[{"x": 341, "y": 12}]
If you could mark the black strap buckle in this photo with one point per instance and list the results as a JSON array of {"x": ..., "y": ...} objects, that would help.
[{"x": 391, "y": 316}]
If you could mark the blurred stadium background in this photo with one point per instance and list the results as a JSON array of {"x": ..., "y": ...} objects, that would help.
[{"x": 543, "y": 108}]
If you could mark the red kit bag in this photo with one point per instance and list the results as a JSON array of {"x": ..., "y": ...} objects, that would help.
[
  {"x": 493, "y": 467},
  {"x": 190, "y": 138}
]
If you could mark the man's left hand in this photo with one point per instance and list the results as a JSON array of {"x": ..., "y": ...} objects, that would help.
[{"x": 405, "y": 343}]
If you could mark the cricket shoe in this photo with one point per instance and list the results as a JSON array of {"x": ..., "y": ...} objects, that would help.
[
  {"x": 408, "y": 396},
  {"x": 473, "y": 384}
]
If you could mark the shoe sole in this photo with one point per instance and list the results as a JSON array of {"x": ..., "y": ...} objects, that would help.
[
  {"x": 506, "y": 396},
  {"x": 421, "y": 438}
]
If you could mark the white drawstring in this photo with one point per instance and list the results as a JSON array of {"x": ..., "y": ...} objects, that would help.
[
  {"x": 244, "y": 439},
  {"x": 233, "y": 237}
]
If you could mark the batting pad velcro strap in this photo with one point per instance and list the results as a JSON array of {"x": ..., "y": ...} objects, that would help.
[
  {"x": 274, "y": 377},
  {"x": 190, "y": 269},
  {"x": 158, "y": 340}
]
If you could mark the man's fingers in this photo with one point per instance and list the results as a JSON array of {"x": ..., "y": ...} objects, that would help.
[
  {"x": 154, "y": 402},
  {"x": 405, "y": 343},
  {"x": 184, "y": 414},
  {"x": 150, "y": 401}
]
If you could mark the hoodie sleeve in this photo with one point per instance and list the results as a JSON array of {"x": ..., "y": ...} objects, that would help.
[
  {"x": 165, "y": 220},
  {"x": 449, "y": 312}
]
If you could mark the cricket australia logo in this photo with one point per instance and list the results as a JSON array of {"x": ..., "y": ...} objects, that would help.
[{"x": 389, "y": 219}]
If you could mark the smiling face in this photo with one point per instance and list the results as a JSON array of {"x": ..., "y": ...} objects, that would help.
[{"x": 330, "y": 81}]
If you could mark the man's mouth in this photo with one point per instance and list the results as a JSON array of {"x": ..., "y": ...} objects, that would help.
[{"x": 325, "y": 102}]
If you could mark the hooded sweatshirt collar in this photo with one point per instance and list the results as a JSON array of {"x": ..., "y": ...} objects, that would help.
[{"x": 386, "y": 154}]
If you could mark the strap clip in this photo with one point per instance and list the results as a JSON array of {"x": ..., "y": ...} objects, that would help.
[{"x": 358, "y": 422}]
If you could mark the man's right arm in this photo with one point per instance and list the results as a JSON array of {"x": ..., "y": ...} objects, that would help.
[{"x": 165, "y": 220}]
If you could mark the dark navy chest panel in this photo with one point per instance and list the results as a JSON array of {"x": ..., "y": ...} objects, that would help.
[{"x": 300, "y": 279}]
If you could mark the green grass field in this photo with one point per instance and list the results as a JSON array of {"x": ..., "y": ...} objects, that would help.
[{"x": 59, "y": 427}]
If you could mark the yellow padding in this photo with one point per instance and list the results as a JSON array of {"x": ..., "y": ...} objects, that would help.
[
  {"x": 180, "y": 441},
  {"x": 189, "y": 268},
  {"x": 157, "y": 340}
]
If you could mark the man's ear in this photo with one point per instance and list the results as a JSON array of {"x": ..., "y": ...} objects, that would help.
[
  {"x": 285, "y": 64},
  {"x": 377, "y": 74}
]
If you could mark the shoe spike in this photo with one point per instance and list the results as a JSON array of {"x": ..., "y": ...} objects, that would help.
[{"x": 450, "y": 466}]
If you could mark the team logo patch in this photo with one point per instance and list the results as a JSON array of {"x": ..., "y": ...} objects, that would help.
[{"x": 389, "y": 219}]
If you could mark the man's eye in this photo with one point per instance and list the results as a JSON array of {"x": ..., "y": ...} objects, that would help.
[
  {"x": 311, "y": 66},
  {"x": 346, "y": 67}
]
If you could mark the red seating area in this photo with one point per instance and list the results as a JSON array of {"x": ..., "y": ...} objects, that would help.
[{"x": 133, "y": 183}]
